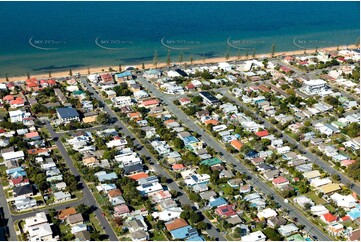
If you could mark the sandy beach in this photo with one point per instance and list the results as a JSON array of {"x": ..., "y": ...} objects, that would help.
[{"x": 84, "y": 71}]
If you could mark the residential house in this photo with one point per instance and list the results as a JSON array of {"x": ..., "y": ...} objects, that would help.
[
  {"x": 115, "y": 197},
  {"x": 288, "y": 229},
  {"x": 75, "y": 219},
  {"x": 66, "y": 115}
]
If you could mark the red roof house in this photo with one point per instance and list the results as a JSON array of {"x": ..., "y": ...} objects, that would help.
[
  {"x": 280, "y": 181},
  {"x": 225, "y": 211},
  {"x": 328, "y": 218},
  {"x": 262, "y": 133},
  {"x": 8, "y": 98}
]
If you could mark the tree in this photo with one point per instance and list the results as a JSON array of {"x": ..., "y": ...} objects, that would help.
[
  {"x": 70, "y": 72},
  {"x": 178, "y": 143},
  {"x": 308, "y": 206},
  {"x": 191, "y": 59},
  {"x": 49, "y": 73},
  {"x": 181, "y": 57},
  {"x": 254, "y": 53},
  {"x": 273, "y": 49},
  {"x": 358, "y": 43},
  {"x": 169, "y": 60},
  {"x": 336, "y": 177},
  {"x": 143, "y": 66},
  {"x": 238, "y": 54},
  {"x": 155, "y": 59},
  {"x": 88, "y": 70},
  {"x": 227, "y": 54},
  {"x": 28, "y": 75},
  {"x": 194, "y": 217},
  {"x": 247, "y": 54},
  {"x": 7, "y": 77},
  {"x": 272, "y": 234},
  {"x": 202, "y": 225},
  {"x": 103, "y": 118},
  {"x": 120, "y": 68},
  {"x": 228, "y": 190}
]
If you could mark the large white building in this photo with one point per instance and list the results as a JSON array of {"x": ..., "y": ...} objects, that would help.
[{"x": 314, "y": 87}]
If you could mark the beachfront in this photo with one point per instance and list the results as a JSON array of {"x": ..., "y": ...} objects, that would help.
[{"x": 84, "y": 71}]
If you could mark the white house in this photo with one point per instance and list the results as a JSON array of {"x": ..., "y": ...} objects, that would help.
[
  {"x": 122, "y": 101},
  {"x": 267, "y": 213},
  {"x": 314, "y": 87},
  {"x": 344, "y": 201},
  {"x": 255, "y": 236},
  {"x": 16, "y": 116},
  {"x": 13, "y": 156},
  {"x": 24, "y": 203}
]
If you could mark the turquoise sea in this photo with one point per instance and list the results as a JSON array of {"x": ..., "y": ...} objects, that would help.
[{"x": 40, "y": 36}]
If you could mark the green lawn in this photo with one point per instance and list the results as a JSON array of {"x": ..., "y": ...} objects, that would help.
[
  {"x": 95, "y": 223},
  {"x": 157, "y": 235},
  {"x": 314, "y": 197},
  {"x": 330, "y": 208}
]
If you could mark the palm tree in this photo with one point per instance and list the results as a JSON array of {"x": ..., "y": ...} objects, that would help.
[
  {"x": 358, "y": 43},
  {"x": 191, "y": 59},
  {"x": 181, "y": 57},
  {"x": 254, "y": 53},
  {"x": 28, "y": 75},
  {"x": 168, "y": 58},
  {"x": 155, "y": 58},
  {"x": 273, "y": 49},
  {"x": 70, "y": 72},
  {"x": 120, "y": 68},
  {"x": 6, "y": 77},
  {"x": 238, "y": 54},
  {"x": 49, "y": 73},
  {"x": 143, "y": 66},
  {"x": 227, "y": 54},
  {"x": 88, "y": 71}
]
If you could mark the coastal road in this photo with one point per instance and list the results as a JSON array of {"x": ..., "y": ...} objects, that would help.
[
  {"x": 87, "y": 195},
  {"x": 210, "y": 141},
  {"x": 182, "y": 197},
  {"x": 8, "y": 218},
  {"x": 312, "y": 157}
]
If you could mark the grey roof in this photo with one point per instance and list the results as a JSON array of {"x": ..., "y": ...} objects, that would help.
[
  {"x": 75, "y": 218},
  {"x": 67, "y": 112},
  {"x": 22, "y": 190}
]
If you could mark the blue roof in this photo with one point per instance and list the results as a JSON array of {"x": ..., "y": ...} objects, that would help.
[
  {"x": 190, "y": 139},
  {"x": 252, "y": 153},
  {"x": 218, "y": 202},
  {"x": 106, "y": 177},
  {"x": 67, "y": 112},
  {"x": 195, "y": 238},
  {"x": 124, "y": 74},
  {"x": 13, "y": 170},
  {"x": 354, "y": 213},
  {"x": 184, "y": 232}
]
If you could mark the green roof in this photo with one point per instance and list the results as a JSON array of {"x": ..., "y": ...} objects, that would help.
[
  {"x": 211, "y": 162},
  {"x": 79, "y": 92},
  {"x": 342, "y": 99},
  {"x": 295, "y": 237},
  {"x": 339, "y": 124}
]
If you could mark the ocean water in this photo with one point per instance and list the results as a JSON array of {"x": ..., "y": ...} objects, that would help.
[{"x": 40, "y": 36}]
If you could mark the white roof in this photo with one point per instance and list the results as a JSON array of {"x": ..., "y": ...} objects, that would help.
[
  {"x": 13, "y": 155},
  {"x": 319, "y": 210},
  {"x": 255, "y": 236},
  {"x": 315, "y": 82},
  {"x": 344, "y": 201},
  {"x": 267, "y": 213},
  {"x": 15, "y": 113}
]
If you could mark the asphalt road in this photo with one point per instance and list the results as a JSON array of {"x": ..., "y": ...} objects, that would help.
[
  {"x": 231, "y": 159},
  {"x": 182, "y": 197},
  {"x": 87, "y": 195},
  {"x": 312, "y": 157},
  {"x": 8, "y": 218}
]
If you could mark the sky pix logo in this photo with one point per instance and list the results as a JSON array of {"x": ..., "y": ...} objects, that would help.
[{"x": 46, "y": 44}]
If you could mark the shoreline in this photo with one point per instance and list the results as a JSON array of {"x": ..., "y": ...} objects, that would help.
[{"x": 93, "y": 70}]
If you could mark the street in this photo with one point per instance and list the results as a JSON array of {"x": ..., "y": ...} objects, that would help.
[
  {"x": 88, "y": 197},
  {"x": 312, "y": 157},
  {"x": 210, "y": 141},
  {"x": 183, "y": 199}
]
